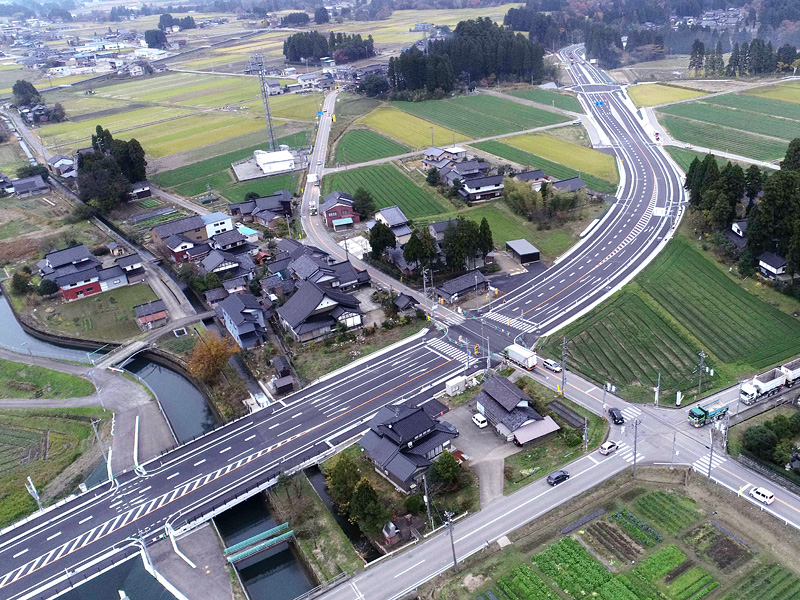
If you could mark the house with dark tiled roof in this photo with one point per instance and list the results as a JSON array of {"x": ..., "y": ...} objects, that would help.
[
  {"x": 315, "y": 311},
  {"x": 78, "y": 274},
  {"x": 29, "y": 186},
  {"x": 460, "y": 287},
  {"x": 509, "y": 410},
  {"x": 533, "y": 178},
  {"x": 265, "y": 210},
  {"x": 481, "y": 188},
  {"x": 573, "y": 184},
  {"x": 771, "y": 265},
  {"x": 244, "y": 318},
  {"x": 227, "y": 264},
  {"x": 396, "y": 220},
  {"x": 187, "y": 238},
  {"x": 402, "y": 443},
  {"x": 337, "y": 210},
  {"x": 151, "y": 314}
]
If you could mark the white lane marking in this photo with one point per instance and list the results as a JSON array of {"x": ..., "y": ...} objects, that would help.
[
  {"x": 250, "y": 438},
  {"x": 224, "y": 450},
  {"x": 18, "y": 554},
  {"x": 592, "y": 458},
  {"x": 82, "y": 521},
  {"x": 55, "y": 535},
  {"x": 199, "y": 462},
  {"x": 274, "y": 426},
  {"x": 297, "y": 415},
  {"x": 144, "y": 490},
  {"x": 173, "y": 475},
  {"x": 409, "y": 568}
]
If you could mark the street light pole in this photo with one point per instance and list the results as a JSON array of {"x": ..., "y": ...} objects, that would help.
[
  {"x": 711, "y": 454},
  {"x": 564, "y": 367},
  {"x": 477, "y": 300},
  {"x": 635, "y": 443},
  {"x": 449, "y": 516}
]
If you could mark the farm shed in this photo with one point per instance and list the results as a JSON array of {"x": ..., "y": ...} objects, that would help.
[{"x": 523, "y": 251}]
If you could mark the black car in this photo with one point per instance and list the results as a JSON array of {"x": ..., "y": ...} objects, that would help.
[
  {"x": 616, "y": 416},
  {"x": 557, "y": 477}
]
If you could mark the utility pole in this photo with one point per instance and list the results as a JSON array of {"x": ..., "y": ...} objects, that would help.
[
  {"x": 672, "y": 458},
  {"x": 658, "y": 388},
  {"x": 477, "y": 299},
  {"x": 449, "y": 516},
  {"x": 564, "y": 366},
  {"x": 97, "y": 436},
  {"x": 585, "y": 434},
  {"x": 431, "y": 136},
  {"x": 739, "y": 398},
  {"x": 32, "y": 491},
  {"x": 635, "y": 443},
  {"x": 711, "y": 454},
  {"x": 427, "y": 500},
  {"x": 702, "y": 366}
]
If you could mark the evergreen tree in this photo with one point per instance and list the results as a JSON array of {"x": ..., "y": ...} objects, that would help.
[
  {"x": 792, "y": 159},
  {"x": 321, "y": 15},
  {"x": 432, "y": 178},
  {"x": 719, "y": 61},
  {"x": 447, "y": 469},
  {"x": 697, "y": 56},
  {"x": 366, "y": 508},
  {"x": 733, "y": 62},
  {"x": 23, "y": 93},
  {"x": 341, "y": 479},
  {"x": 485, "y": 241},
  {"x": 754, "y": 181},
  {"x": 363, "y": 203},
  {"x": 380, "y": 238}
]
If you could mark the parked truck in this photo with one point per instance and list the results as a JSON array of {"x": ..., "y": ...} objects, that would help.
[
  {"x": 700, "y": 415},
  {"x": 792, "y": 372},
  {"x": 521, "y": 355},
  {"x": 766, "y": 384}
]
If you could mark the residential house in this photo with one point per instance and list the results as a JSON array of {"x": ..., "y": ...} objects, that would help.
[
  {"x": 6, "y": 185},
  {"x": 307, "y": 80},
  {"x": 235, "y": 285},
  {"x": 187, "y": 238},
  {"x": 462, "y": 171},
  {"x": 533, "y": 178},
  {"x": 341, "y": 275},
  {"x": 573, "y": 184},
  {"x": 402, "y": 443},
  {"x": 244, "y": 318},
  {"x": 443, "y": 157},
  {"x": 522, "y": 250},
  {"x": 405, "y": 305},
  {"x": 116, "y": 249},
  {"x": 771, "y": 265},
  {"x": 60, "y": 164},
  {"x": 227, "y": 264},
  {"x": 508, "y": 409},
  {"x": 438, "y": 228},
  {"x": 396, "y": 220},
  {"x": 232, "y": 241},
  {"x": 133, "y": 266},
  {"x": 251, "y": 235},
  {"x": 455, "y": 289},
  {"x": 481, "y": 188},
  {"x": 151, "y": 314},
  {"x": 337, "y": 210},
  {"x": 281, "y": 365},
  {"x": 140, "y": 191},
  {"x": 315, "y": 311},
  {"x": 29, "y": 186},
  {"x": 265, "y": 210},
  {"x": 274, "y": 87},
  {"x": 214, "y": 296},
  {"x": 290, "y": 250}
]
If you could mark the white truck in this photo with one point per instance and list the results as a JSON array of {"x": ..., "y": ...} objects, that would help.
[
  {"x": 766, "y": 384},
  {"x": 792, "y": 371},
  {"x": 521, "y": 355}
]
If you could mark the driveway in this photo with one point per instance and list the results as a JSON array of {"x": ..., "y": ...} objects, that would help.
[{"x": 486, "y": 450}]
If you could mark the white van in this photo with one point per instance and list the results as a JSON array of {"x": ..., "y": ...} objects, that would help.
[
  {"x": 763, "y": 495},
  {"x": 551, "y": 365}
]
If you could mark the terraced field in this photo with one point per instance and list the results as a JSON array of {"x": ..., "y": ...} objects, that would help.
[
  {"x": 406, "y": 128},
  {"x": 389, "y": 186},
  {"x": 559, "y": 171},
  {"x": 481, "y": 115},
  {"x": 557, "y": 99},
  {"x": 361, "y": 145}
]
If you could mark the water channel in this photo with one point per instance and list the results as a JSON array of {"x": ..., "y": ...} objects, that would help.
[{"x": 273, "y": 575}]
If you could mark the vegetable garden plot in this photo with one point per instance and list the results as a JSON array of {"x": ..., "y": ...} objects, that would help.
[
  {"x": 572, "y": 568},
  {"x": 670, "y": 512}
]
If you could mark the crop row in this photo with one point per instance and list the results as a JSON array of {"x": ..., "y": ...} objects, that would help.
[
  {"x": 671, "y": 512},
  {"x": 760, "y": 106},
  {"x": 772, "y": 582},
  {"x": 524, "y": 584},
  {"x": 639, "y": 530},
  {"x": 361, "y": 145},
  {"x": 571, "y": 566},
  {"x": 692, "y": 585},
  {"x": 661, "y": 563}
]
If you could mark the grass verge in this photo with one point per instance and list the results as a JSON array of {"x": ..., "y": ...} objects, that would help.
[{"x": 19, "y": 380}]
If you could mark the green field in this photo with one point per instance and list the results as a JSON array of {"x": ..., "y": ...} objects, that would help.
[
  {"x": 481, "y": 116},
  {"x": 361, "y": 145},
  {"x": 19, "y": 380},
  {"x": 755, "y": 127},
  {"x": 557, "y": 99},
  {"x": 526, "y": 159},
  {"x": 681, "y": 303},
  {"x": 389, "y": 186},
  {"x": 684, "y": 157},
  {"x": 580, "y": 158},
  {"x": 204, "y": 170},
  {"x": 657, "y": 93},
  {"x": 107, "y": 316},
  {"x": 235, "y": 192},
  {"x": 41, "y": 443},
  {"x": 788, "y": 91}
]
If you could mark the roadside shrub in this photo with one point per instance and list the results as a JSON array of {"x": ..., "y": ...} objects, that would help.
[
  {"x": 414, "y": 504},
  {"x": 100, "y": 250}
]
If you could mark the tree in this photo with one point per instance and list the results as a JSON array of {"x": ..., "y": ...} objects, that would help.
[
  {"x": 697, "y": 56},
  {"x": 792, "y": 159},
  {"x": 754, "y": 181},
  {"x": 47, "y": 287},
  {"x": 101, "y": 183},
  {"x": 33, "y": 171},
  {"x": 130, "y": 157},
  {"x": 249, "y": 196},
  {"x": 380, "y": 238},
  {"x": 363, "y": 203},
  {"x": 760, "y": 441},
  {"x": 366, "y": 508},
  {"x": 155, "y": 38},
  {"x": 342, "y": 478},
  {"x": 24, "y": 94},
  {"x": 430, "y": 248},
  {"x": 210, "y": 355},
  {"x": 20, "y": 283},
  {"x": 413, "y": 249},
  {"x": 57, "y": 113},
  {"x": 166, "y": 20},
  {"x": 374, "y": 85},
  {"x": 447, "y": 469},
  {"x": 485, "y": 241},
  {"x": 432, "y": 178},
  {"x": 321, "y": 15},
  {"x": 460, "y": 242}
]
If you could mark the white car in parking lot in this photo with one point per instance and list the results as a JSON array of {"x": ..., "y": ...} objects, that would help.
[{"x": 479, "y": 420}]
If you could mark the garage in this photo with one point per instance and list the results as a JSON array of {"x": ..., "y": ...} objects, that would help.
[{"x": 523, "y": 251}]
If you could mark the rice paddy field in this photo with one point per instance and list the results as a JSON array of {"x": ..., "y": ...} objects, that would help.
[
  {"x": 684, "y": 157},
  {"x": 388, "y": 186},
  {"x": 527, "y": 159},
  {"x": 551, "y": 98},
  {"x": 361, "y": 145},
  {"x": 787, "y": 91},
  {"x": 481, "y": 115},
  {"x": 681, "y": 303},
  {"x": 408, "y": 129},
  {"x": 757, "y": 127},
  {"x": 658, "y": 93}
]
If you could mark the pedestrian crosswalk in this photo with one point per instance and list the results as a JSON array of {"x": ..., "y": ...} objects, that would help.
[
  {"x": 701, "y": 464},
  {"x": 630, "y": 413},
  {"x": 514, "y": 322},
  {"x": 448, "y": 350},
  {"x": 625, "y": 452}
]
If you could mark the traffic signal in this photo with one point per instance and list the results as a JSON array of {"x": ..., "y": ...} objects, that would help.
[{"x": 477, "y": 348}]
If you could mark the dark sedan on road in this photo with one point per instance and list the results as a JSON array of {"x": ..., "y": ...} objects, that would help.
[{"x": 557, "y": 477}]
